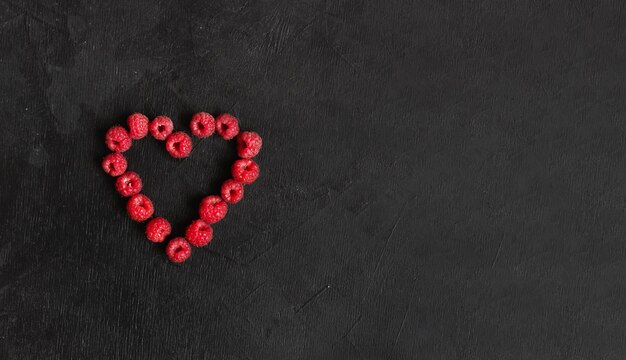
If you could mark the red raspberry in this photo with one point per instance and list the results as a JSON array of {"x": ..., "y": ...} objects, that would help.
[
  {"x": 232, "y": 191},
  {"x": 245, "y": 171},
  {"x": 199, "y": 233},
  {"x": 213, "y": 209},
  {"x": 227, "y": 126},
  {"x": 178, "y": 250},
  {"x": 161, "y": 127},
  {"x": 138, "y": 125},
  {"x": 128, "y": 184},
  {"x": 202, "y": 125},
  {"x": 248, "y": 144},
  {"x": 118, "y": 139},
  {"x": 139, "y": 208},
  {"x": 158, "y": 229},
  {"x": 178, "y": 145},
  {"x": 114, "y": 164}
]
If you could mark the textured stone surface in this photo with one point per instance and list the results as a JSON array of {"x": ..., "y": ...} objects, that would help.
[{"x": 441, "y": 180}]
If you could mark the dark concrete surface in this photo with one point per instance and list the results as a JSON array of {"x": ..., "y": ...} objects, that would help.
[{"x": 440, "y": 180}]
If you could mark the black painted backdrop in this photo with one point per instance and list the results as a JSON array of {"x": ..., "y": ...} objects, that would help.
[{"x": 441, "y": 180}]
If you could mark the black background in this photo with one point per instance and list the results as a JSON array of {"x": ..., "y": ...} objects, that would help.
[{"x": 440, "y": 180}]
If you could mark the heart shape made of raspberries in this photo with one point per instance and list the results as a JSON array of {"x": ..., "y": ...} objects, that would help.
[{"x": 213, "y": 208}]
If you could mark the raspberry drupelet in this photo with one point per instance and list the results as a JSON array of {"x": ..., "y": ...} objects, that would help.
[
  {"x": 139, "y": 208},
  {"x": 227, "y": 126},
  {"x": 158, "y": 229},
  {"x": 178, "y": 250},
  {"x": 128, "y": 184},
  {"x": 118, "y": 139},
  {"x": 213, "y": 209},
  {"x": 245, "y": 171},
  {"x": 161, "y": 127},
  {"x": 249, "y": 144},
  {"x": 138, "y": 125},
  {"x": 114, "y": 164},
  {"x": 232, "y": 191},
  {"x": 199, "y": 233},
  {"x": 178, "y": 145},
  {"x": 202, "y": 125}
]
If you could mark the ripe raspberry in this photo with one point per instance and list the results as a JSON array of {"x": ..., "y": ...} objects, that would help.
[
  {"x": 245, "y": 171},
  {"x": 138, "y": 125},
  {"x": 227, "y": 126},
  {"x": 118, "y": 139},
  {"x": 199, "y": 233},
  {"x": 232, "y": 191},
  {"x": 248, "y": 144},
  {"x": 213, "y": 209},
  {"x": 178, "y": 145},
  {"x": 128, "y": 184},
  {"x": 158, "y": 229},
  {"x": 161, "y": 127},
  {"x": 114, "y": 164},
  {"x": 202, "y": 125},
  {"x": 139, "y": 207},
  {"x": 178, "y": 250}
]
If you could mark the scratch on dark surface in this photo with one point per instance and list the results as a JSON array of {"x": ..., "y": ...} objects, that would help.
[
  {"x": 316, "y": 295},
  {"x": 271, "y": 247},
  {"x": 251, "y": 293},
  {"x": 382, "y": 252},
  {"x": 318, "y": 11},
  {"x": 538, "y": 13},
  {"x": 258, "y": 256},
  {"x": 345, "y": 335},
  {"x": 341, "y": 56},
  {"x": 256, "y": 330},
  {"x": 297, "y": 35},
  {"x": 241, "y": 8},
  {"x": 358, "y": 349},
  {"x": 178, "y": 95},
  {"x": 406, "y": 313},
  {"x": 495, "y": 259},
  {"x": 227, "y": 258}
]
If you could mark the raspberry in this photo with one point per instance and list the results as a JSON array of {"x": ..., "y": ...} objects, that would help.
[
  {"x": 199, "y": 233},
  {"x": 248, "y": 144},
  {"x": 161, "y": 127},
  {"x": 138, "y": 125},
  {"x": 139, "y": 207},
  {"x": 227, "y": 126},
  {"x": 245, "y": 171},
  {"x": 158, "y": 229},
  {"x": 178, "y": 145},
  {"x": 114, "y": 164},
  {"x": 213, "y": 209},
  {"x": 178, "y": 250},
  {"x": 117, "y": 139},
  {"x": 202, "y": 125},
  {"x": 232, "y": 191},
  {"x": 128, "y": 184}
]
